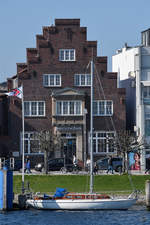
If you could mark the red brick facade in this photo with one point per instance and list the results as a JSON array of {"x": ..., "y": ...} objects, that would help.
[{"x": 44, "y": 59}]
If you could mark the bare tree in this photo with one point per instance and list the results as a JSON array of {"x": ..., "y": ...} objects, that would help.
[{"x": 48, "y": 143}]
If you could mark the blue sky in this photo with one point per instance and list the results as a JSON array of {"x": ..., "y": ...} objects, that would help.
[{"x": 110, "y": 22}]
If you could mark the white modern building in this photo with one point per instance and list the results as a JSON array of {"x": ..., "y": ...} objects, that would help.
[{"x": 133, "y": 67}]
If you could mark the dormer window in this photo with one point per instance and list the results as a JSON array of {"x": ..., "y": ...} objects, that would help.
[{"x": 67, "y": 55}]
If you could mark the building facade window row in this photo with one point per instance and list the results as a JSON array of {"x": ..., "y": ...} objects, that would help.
[
  {"x": 65, "y": 108},
  {"x": 54, "y": 80}
]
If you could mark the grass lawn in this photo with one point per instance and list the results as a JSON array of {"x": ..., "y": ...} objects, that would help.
[{"x": 80, "y": 183}]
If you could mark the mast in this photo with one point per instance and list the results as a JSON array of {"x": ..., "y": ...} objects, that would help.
[
  {"x": 91, "y": 130},
  {"x": 22, "y": 141}
]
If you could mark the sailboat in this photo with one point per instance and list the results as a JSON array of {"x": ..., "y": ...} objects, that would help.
[{"x": 62, "y": 200}]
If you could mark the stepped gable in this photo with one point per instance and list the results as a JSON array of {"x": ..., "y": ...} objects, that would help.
[{"x": 54, "y": 36}]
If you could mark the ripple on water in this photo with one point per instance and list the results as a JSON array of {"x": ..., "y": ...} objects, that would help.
[{"x": 136, "y": 216}]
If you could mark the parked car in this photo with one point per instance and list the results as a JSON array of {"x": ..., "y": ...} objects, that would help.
[
  {"x": 55, "y": 165},
  {"x": 102, "y": 164}
]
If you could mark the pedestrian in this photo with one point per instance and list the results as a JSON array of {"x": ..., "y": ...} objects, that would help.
[
  {"x": 75, "y": 162},
  {"x": 110, "y": 165},
  {"x": 95, "y": 170},
  {"x": 88, "y": 163},
  {"x": 25, "y": 167},
  {"x": 28, "y": 166}
]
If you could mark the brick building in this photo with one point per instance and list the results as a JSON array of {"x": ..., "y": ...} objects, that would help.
[{"x": 56, "y": 81}]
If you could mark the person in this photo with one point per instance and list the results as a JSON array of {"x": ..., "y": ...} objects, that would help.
[
  {"x": 95, "y": 170},
  {"x": 28, "y": 170},
  {"x": 88, "y": 162},
  {"x": 136, "y": 165},
  {"x": 25, "y": 167},
  {"x": 74, "y": 160},
  {"x": 147, "y": 165},
  {"x": 75, "y": 163},
  {"x": 110, "y": 165}
]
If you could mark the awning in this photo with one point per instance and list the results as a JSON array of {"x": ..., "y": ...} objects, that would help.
[{"x": 145, "y": 83}]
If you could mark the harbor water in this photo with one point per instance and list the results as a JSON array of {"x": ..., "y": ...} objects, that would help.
[{"x": 136, "y": 215}]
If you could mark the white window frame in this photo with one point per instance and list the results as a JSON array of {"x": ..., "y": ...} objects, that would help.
[
  {"x": 34, "y": 106},
  {"x": 28, "y": 138},
  {"x": 65, "y": 108},
  {"x": 103, "y": 136},
  {"x": 66, "y": 55},
  {"x": 79, "y": 81},
  {"x": 97, "y": 110},
  {"x": 47, "y": 80}
]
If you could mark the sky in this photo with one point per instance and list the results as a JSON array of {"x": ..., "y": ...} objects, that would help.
[{"x": 110, "y": 22}]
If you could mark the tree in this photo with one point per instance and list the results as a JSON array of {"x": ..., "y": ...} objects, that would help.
[{"x": 48, "y": 143}]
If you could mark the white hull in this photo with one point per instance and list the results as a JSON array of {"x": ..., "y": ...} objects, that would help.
[{"x": 84, "y": 204}]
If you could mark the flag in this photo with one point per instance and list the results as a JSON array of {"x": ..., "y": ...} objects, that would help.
[{"x": 16, "y": 92}]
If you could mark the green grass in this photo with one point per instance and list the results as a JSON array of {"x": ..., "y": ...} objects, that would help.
[{"x": 80, "y": 183}]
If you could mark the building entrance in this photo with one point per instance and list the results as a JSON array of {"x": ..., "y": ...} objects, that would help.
[
  {"x": 69, "y": 145},
  {"x": 71, "y": 148}
]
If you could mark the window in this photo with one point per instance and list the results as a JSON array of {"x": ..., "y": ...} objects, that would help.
[
  {"x": 67, "y": 55},
  {"x": 147, "y": 120},
  {"x": 34, "y": 108},
  {"x": 15, "y": 83},
  {"x": 31, "y": 143},
  {"x": 146, "y": 92},
  {"x": 51, "y": 80},
  {"x": 147, "y": 128},
  {"x": 103, "y": 142},
  {"x": 102, "y": 108},
  {"x": 68, "y": 108},
  {"x": 82, "y": 80}
]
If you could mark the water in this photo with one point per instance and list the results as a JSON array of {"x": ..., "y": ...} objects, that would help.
[{"x": 135, "y": 216}]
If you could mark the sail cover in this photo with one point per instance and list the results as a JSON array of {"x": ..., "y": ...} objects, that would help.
[{"x": 60, "y": 192}]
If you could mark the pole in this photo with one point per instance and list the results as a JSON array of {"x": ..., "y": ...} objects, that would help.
[
  {"x": 91, "y": 129},
  {"x": 84, "y": 136},
  {"x": 22, "y": 142}
]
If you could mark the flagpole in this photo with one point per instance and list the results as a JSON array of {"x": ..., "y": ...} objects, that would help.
[{"x": 22, "y": 141}]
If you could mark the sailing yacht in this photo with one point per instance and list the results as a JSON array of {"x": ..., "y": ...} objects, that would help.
[{"x": 74, "y": 201}]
